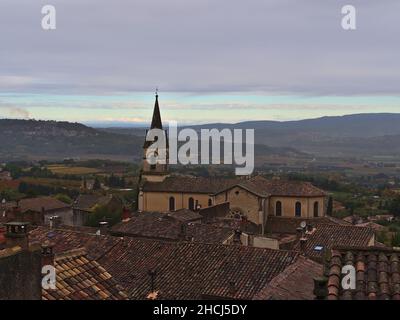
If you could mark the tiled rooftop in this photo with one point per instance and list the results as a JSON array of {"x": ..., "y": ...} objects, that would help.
[
  {"x": 327, "y": 232},
  {"x": 66, "y": 240},
  {"x": 188, "y": 184},
  {"x": 377, "y": 274},
  {"x": 182, "y": 270},
  {"x": 88, "y": 201},
  {"x": 37, "y": 204},
  {"x": 290, "y": 224},
  {"x": 272, "y": 187},
  {"x": 164, "y": 226},
  {"x": 81, "y": 278},
  {"x": 296, "y": 282},
  {"x": 194, "y": 270},
  {"x": 327, "y": 236},
  {"x": 258, "y": 185},
  {"x": 185, "y": 215}
]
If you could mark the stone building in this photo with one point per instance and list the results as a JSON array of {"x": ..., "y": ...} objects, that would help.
[
  {"x": 37, "y": 211},
  {"x": 254, "y": 198}
]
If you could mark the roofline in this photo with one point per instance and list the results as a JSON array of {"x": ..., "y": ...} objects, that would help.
[
  {"x": 323, "y": 194},
  {"x": 243, "y": 187},
  {"x": 171, "y": 191},
  {"x": 366, "y": 249}
]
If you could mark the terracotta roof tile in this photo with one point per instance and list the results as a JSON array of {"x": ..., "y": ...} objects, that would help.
[
  {"x": 36, "y": 204},
  {"x": 73, "y": 280},
  {"x": 188, "y": 184},
  {"x": 183, "y": 270},
  {"x": 296, "y": 282},
  {"x": 163, "y": 226},
  {"x": 329, "y": 236},
  {"x": 283, "y": 225},
  {"x": 87, "y": 202},
  {"x": 377, "y": 274},
  {"x": 65, "y": 240},
  {"x": 194, "y": 270},
  {"x": 258, "y": 185}
]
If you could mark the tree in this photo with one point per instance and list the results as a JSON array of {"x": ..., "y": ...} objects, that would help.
[
  {"x": 102, "y": 213},
  {"x": 96, "y": 184},
  {"x": 329, "y": 209},
  {"x": 394, "y": 206},
  {"x": 396, "y": 240},
  {"x": 9, "y": 194},
  {"x": 63, "y": 198}
]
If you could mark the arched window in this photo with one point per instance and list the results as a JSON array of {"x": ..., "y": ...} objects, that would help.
[
  {"x": 171, "y": 204},
  {"x": 278, "y": 208},
  {"x": 316, "y": 208},
  {"x": 298, "y": 209},
  {"x": 191, "y": 203},
  {"x": 209, "y": 202}
]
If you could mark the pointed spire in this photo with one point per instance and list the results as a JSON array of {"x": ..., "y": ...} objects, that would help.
[{"x": 156, "y": 121}]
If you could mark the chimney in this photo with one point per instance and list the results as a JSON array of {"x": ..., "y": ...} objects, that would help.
[
  {"x": 17, "y": 234},
  {"x": 3, "y": 208},
  {"x": 321, "y": 288},
  {"x": 303, "y": 243},
  {"x": 236, "y": 237},
  {"x": 152, "y": 274},
  {"x": 126, "y": 214},
  {"x": 47, "y": 254},
  {"x": 183, "y": 231},
  {"x": 103, "y": 227},
  {"x": 232, "y": 288},
  {"x": 55, "y": 222},
  {"x": 299, "y": 233}
]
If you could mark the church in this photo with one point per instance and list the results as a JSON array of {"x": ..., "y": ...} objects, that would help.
[{"x": 253, "y": 198}]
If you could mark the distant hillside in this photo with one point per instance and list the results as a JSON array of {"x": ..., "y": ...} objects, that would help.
[
  {"x": 351, "y": 135},
  {"x": 22, "y": 139},
  {"x": 31, "y": 139}
]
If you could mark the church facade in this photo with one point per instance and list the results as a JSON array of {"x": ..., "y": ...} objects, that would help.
[{"x": 254, "y": 198}]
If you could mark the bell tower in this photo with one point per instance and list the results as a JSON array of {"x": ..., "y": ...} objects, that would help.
[{"x": 159, "y": 171}]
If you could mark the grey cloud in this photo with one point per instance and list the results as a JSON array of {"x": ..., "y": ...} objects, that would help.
[{"x": 285, "y": 46}]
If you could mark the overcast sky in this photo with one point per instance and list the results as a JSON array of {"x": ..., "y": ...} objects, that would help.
[{"x": 212, "y": 60}]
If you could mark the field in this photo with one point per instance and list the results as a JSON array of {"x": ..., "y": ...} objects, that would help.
[
  {"x": 62, "y": 169},
  {"x": 71, "y": 184}
]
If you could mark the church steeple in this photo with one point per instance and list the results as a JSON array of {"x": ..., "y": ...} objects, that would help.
[
  {"x": 156, "y": 122},
  {"x": 158, "y": 171}
]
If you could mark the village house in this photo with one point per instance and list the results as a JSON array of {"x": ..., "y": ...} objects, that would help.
[
  {"x": 85, "y": 204},
  {"x": 37, "y": 211},
  {"x": 78, "y": 277},
  {"x": 5, "y": 175},
  {"x": 254, "y": 198},
  {"x": 317, "y": 236}
]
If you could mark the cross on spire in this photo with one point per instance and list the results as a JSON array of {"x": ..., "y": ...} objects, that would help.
[{"x": 156, "y": 122}]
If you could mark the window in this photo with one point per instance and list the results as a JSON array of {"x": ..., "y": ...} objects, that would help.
[
  {"x": 191, "y": 203},
  {"x": 278, "y": 208},
  {"x": 209, "y": 202},
  {"x": 316, "y": 208},
  {"x": 298, "y": 209},
  {"x": 171, "y": 204},
  {"x": 153, "y": 167}
]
